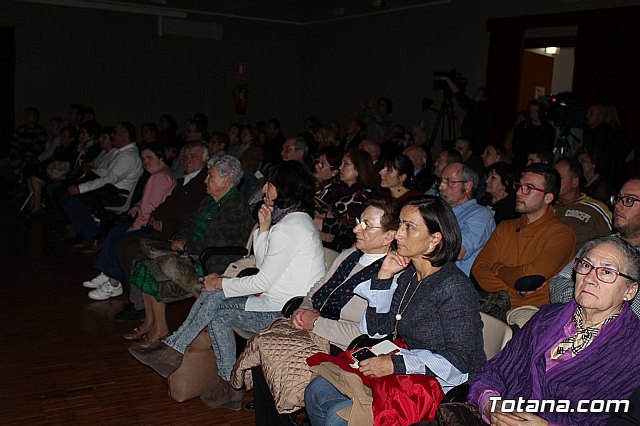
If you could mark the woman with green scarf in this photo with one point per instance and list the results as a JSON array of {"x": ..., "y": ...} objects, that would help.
[{"x": 224, "y": 219}]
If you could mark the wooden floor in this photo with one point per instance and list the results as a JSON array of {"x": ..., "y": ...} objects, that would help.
[{"x": 62, "y": 358}]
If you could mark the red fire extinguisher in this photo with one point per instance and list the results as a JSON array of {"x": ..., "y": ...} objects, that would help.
[{"x": 241, "y": 98}]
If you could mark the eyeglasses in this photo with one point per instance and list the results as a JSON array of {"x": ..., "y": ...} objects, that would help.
[
  {"x": 607, "y": 275},
  {"x": 450, "y": 182},
  {"x": 626, "y": 200},
  {"x": 364, "y": 225},
  {"x": 322, "y": 165},
  {"x": 526, "y": 188}
]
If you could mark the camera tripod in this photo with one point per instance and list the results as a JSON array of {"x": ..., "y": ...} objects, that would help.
[{"x": 445, "y": 124}]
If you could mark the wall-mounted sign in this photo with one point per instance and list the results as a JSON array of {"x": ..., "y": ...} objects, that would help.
[{"x": 242, "y": 70}]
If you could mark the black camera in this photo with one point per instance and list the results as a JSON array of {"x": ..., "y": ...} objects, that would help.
[
  {"x": 426, "y": 104},
  {"x": 453, "y": 75},
  {"x": 565, "y": 110}
]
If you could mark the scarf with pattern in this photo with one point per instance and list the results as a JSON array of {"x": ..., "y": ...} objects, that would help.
[{"x": 338, "y": 290}]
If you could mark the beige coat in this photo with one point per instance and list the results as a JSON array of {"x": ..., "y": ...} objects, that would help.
[
  {"x": 350, "y": 384},
  {"x": 282, "y": 351}
]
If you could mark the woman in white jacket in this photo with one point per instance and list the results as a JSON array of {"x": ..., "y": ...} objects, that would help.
[{"x": 290, "y": 258}]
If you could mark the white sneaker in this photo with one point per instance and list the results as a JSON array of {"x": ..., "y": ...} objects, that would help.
[
  {"x": 96, "y": 282},
  {"x": 105, "y": 291}
]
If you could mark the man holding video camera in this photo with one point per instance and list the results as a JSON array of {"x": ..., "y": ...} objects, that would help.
[{"x": 476, "y": 124}]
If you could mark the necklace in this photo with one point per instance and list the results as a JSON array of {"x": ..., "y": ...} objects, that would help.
[{"x": 400, "y": 309}]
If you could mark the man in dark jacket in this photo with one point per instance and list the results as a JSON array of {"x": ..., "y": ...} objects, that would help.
[{"x": 167, "y": 219}]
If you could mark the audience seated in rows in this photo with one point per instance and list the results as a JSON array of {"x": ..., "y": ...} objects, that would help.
[
  {"x": 533, "y": 133},
  {"x": 395, "y": 177},
  {"x": 421, "y": 296},
  {"x": 159, "y": 185},
  {"x": 422, "y": 177},
  {"x": 329, "y": 315},
  {"x": 501, "y": 192},
  {"x": 273, "y": 142},
  {"x": 584, "y": 350},
  {"x": 166, "y": 221},
  {"x": 218, "y": 144},
  {"x": 222, "y": 220},
  {"x": 289, "y": 257},
  {"x": 443, "y": 159},
  {"x": 357, "y": 181},
  {"x": 597, "y": 185},
  {"x": 376, "y": 116},
  {"x": 29, "y": 140},
  {"x": 494, "y": 153},
  {"x": 353, "y": 135},
  {"x": 56, "y": 167},
  {"x": 626, "y": 221},
  {"x": 537, "y": 243},
  {"x": 589, "y": 218},
  {"x": 476, "y": 223},
  {"x": 112, "y": 189}
]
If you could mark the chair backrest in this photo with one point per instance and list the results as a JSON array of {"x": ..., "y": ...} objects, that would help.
[
  {"x": 329, "y": 257},
  {"x": 123, "y": 208},
  {"x": 495, "y": 333}
]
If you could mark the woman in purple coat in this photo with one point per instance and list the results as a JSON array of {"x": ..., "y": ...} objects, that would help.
[{"x": 584, "y": 350}]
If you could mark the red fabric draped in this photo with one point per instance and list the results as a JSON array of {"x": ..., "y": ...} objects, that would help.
[{"x": 402, "y": 399}]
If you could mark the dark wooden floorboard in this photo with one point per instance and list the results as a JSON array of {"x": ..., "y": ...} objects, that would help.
[{"x": 62, "y": 358}]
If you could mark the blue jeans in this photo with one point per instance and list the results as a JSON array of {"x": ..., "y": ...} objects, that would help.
[
  {"x": 107, "y": 261},
  {"x": 220, "y": 315},
  {"x": 323, "y": 401},
  {"x": 78, "y": 214},
  {"x": 77, "y": 208}
]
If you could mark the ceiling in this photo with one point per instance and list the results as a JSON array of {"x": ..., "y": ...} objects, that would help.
[{"x": 294, "y": 12}]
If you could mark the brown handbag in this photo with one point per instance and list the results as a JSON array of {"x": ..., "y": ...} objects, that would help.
[
  {"x": 198, "y": 372},
  {"x": 458, "y": 414}
]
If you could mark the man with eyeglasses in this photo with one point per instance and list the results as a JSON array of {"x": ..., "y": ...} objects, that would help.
[
  {"x": 476, "y": 223},
  {"x": 626, "y": 220},
  {"x": 443, "y": 159},
  {"x": 537, "y": 243},
  {"x": 294, "y": 149}
]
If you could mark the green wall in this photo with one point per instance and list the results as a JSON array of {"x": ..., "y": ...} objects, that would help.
[{"x": 117, "y": 63}]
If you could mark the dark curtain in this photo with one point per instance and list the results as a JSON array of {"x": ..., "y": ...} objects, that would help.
[
  {"x": 503, "y": 78},
  {"x": 607, "y": 63},
  {"x": 7, "y": 81}
]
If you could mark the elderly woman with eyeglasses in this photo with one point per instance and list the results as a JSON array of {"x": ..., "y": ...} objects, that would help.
[
  {"x": 584, "y": 350},
  {"x": 328, "y": 319}
]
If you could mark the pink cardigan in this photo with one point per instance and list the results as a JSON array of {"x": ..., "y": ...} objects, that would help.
[{"x": 156, "y": 190}]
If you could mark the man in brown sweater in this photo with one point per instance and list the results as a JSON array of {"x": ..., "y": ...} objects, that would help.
[{"x": 537, "y": 243}]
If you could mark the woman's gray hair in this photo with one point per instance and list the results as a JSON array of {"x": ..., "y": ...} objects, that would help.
[
  {"x": 228, "y": 165},
  {"x": 631, "y": 255}
]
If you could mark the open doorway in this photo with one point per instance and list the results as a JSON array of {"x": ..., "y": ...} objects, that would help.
[{"x": 547, "y": 64}]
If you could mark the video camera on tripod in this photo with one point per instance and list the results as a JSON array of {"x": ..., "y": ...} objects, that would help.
[
  {"x": 445, "y": 123},
  {"x": 452, "y": 75},
  {"x": 566, "y": 112}
]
